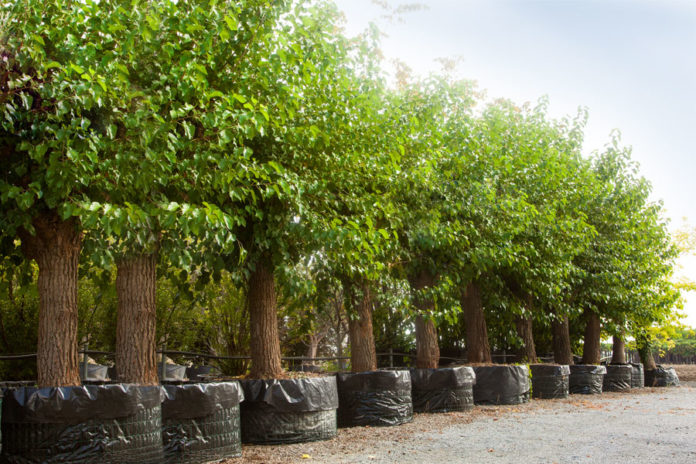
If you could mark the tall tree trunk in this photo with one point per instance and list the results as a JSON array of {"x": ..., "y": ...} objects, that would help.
[
  {"x": 363, "y": 356},
  {"x": 263, "y": 312},
  {"x": 527, "y": 352},
  {"x": 591, "y": 353},
  {"x": 427, "y": 348},
  {"x": 136, "y": 319},
  {"x": 562, "y": 353},
  {"x": 56, "y": 248},
  {"x": 618, "y": 355},
  {"x": 477, "y": 348},
  {"x": 645, "y": 352}
]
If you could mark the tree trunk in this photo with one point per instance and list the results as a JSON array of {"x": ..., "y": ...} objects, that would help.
[
  {"x": 136, "y": 319},
  {"x": 10, "y": 295},
  {"x": 645, "y": 352},
  {"x": 340, "y": 333},
  {"x": 477, "y": 347},
  {"x": 313, "y": 346},
  {"x": 427, "y": 348},
  {"x": 363, "y": 356},
  {"x": 265, "y": 342},
  {"x": 56, "y": 249},
  {"x": 562, "y": 353},
  {"x": 618, "y": 355},
  {"x": 339, "y": 351},
  {"x": 591, "y": 350},
  {"x": 527, "y": 352}
]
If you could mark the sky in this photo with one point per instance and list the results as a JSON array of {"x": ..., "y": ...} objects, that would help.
[{"x": 632, "y": 63}]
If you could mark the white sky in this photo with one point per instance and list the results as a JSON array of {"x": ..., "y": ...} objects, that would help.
[{"x": 631, "y": 62}]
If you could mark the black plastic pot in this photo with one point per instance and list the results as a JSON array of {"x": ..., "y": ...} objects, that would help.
[
  {"x": 617, "y": 378},
  {"x": 586, "y": 379},
  {"x": 289, "y": 410},
  {"x": 201, "y": 422},
  {"x": 443, "y": 390},
  {"x": 501, "y": 384},
  {"x": 374, "y": 398},
  {"x": 637, "y": 375},
  {"x": 109, "y": 424},
  {"x": 550, "y": 381},
  {"x": 661, "y": 377}
]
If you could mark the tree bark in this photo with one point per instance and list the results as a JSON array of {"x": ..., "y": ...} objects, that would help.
[
  {"x": 136, "y": 319},
  {"x": 312, "y": 348},
  {"x": 56, "y": 249},
  {"x": 477, "y": 348},
  {"x": 591, "y": 353},
  {"x": 313, "y": 345},
  {"x": 339, "y": 328},
  {"x": 618, "y": 355},
  {"x": 527, "y": 352},
  {"x": 363, "y": 356},
  {"x": 263, "y": 313},
  {"x": 562, "y": 353},
  {"x": 427, "y": 347},
  {"x": 645, "y": 352}
]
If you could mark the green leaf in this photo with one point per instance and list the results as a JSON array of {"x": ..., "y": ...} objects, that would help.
[
  {"x": 275, "y": 166},
  {"x": 66, "y": 211},
  {"x": 78, "y": 69},
  {"x": 111, "y": 131},
  {"x": 231, "y": 22},
  {"x": 27, "y": 100},
  {"x": 188, "y": 129}
]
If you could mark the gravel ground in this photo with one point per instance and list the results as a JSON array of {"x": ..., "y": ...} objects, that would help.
[{"x": 644, "y": 426}]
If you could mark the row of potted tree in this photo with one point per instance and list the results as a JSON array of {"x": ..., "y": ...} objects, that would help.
[{"x": 255, "y": 138}]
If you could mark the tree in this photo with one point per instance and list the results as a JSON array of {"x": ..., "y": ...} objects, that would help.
[
  {"x": 422, "y": 113},
  {"x": 49, "y": 152},
  {"x": 512, "y": 180},
  {"x": 623, "y": 277},
  {"x": 164, "y": 122},
  {"x": 318, "y": 96}
]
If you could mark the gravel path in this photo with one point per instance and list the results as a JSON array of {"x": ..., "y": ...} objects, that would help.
[{"x": 650, "y": 425}]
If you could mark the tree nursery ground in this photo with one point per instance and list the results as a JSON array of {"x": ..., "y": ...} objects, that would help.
[{"x": 643, "y": 426}]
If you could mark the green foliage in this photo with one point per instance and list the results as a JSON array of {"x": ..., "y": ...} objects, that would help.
[
  {"x": 392, "y": 325},
  {"x": 225, "y": 324},
  {"x": 19, "y": 314},
  {"x": 529, "y": 222},
  {"x": 624, "y": 275},
  {"x": 681, "y": 342}
]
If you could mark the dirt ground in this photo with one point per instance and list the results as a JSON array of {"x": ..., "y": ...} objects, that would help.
[
  {"x": 685, "y": 372},
  {"x": 641, "y": 426}
]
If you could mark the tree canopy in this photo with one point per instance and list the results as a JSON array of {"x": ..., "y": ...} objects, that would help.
[{"x": 253, "y": 147}]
